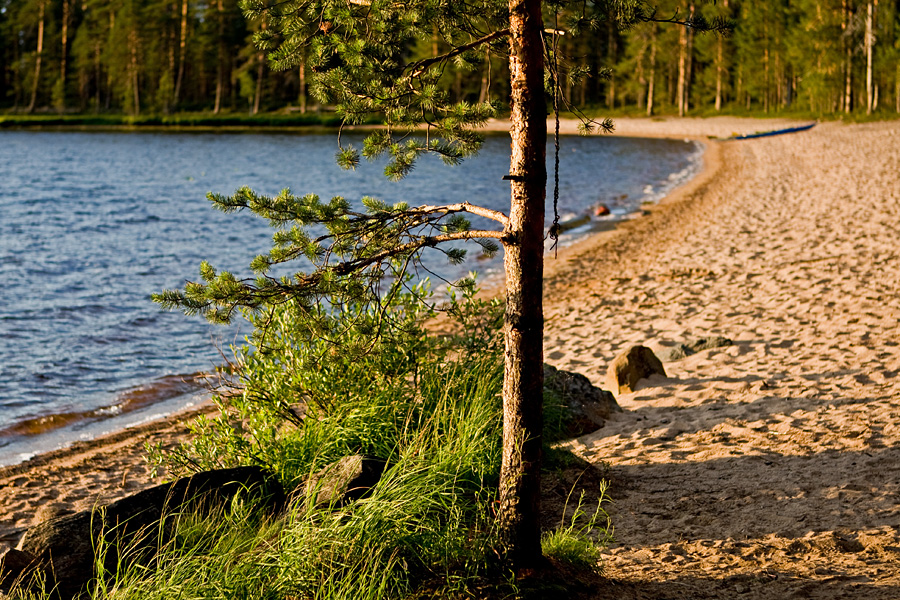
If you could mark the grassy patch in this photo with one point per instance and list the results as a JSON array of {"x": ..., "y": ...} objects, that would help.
[{"x": 318, "y": 387}]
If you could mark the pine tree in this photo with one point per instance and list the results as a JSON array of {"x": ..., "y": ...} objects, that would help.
[{"x": 361, "y": 60}]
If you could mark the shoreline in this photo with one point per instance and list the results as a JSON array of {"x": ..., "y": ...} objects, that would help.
[
  {"x": 163, "y": 426},
  {"x": 120, "y": 454},
  {"x": 48, "y": 431},
  {"x": 765, "y": 469}
]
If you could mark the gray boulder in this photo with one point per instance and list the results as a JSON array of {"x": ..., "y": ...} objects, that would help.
[
  {"x": 636, "y": 363},
  {"x": 15, "y": 568},
  {"x": 65, "y": 546},
  {"x": 699, "y": 345},
  {"x": 588, "y": 407},
  {"x": 345, "y": 480}
]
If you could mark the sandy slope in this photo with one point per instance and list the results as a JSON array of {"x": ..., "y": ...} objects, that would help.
[
  {"x": 768, "y": 469},
  {"x": 771, "y": 468}
]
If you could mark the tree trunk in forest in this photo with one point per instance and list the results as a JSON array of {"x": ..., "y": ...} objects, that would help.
[
  {"x": 65, "y": 53},
  {"x": 42, "y": 7},
  {"x": 133, "y": 47},
  {"x": 682, "y": 70},
  {"x": 302, "y": 76},
  {"x": 847, "y": 101},
  {"x": 720, "y": 57},
  {"x": 519, "y": 516},
  {"x": 220, "y": 58},
  {"x": 97, "y": 74},
  {"x": 484, "y": 92},
  {"x": 257, "y": 95},
  {"x": 870, "y": 44},
  {"x": 651, "y": 85},
  {"x": 689, "y": 66},
  {"x": 611, "y": 52},
  {"x": 182, "y": 46},
  {"x": 720, "y": 64}
]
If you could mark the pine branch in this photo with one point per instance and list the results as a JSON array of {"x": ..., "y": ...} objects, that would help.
[{"x": 421, "y": 65}]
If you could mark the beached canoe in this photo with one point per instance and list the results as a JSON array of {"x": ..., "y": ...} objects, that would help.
[{"x": 771, "y": 133}]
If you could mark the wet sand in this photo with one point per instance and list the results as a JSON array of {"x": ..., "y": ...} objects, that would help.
[{"x": 766, "y": 469}]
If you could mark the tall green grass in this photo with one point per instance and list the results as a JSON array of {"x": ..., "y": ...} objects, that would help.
[{"x": 431, "y": 409}]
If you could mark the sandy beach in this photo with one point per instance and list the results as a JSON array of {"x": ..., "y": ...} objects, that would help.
[{"x": 767, "y": 469}]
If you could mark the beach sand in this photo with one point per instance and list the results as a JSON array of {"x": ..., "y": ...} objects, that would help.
[{"x": 765, "y": 469}]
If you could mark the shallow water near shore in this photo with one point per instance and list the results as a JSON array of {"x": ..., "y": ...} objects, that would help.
[{"x": 92, "y": 223}]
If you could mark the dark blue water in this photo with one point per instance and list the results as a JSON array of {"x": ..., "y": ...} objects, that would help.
[{"x": 92, "y": 223}]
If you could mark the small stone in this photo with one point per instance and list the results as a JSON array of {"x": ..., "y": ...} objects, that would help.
[
  {"x": 707, "y": 343},
  {"x": 588, "y": 406},
  {"x": 345, "y": 480},
  {"x": 637, "y": 363}
]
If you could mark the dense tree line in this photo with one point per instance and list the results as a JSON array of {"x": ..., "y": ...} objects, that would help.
[{"x": 162, "y": 56}]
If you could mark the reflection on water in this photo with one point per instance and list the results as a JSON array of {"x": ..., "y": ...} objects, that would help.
[{"x": 92, "y": 223}]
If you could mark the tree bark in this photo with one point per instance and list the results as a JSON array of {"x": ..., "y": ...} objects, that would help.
[
  {"x": 612, "y": 52},
  {"x": 720, "y": 58},
  {"x": 65, "y": 53},
  {"x": 870, "y": 44},
  {"x": 682, "y": 69},
  {"x": 720, "y": 64},
  {"x": 42, "y": 7},
  {"x": 182, "y": 47},
  {"x": 220, "y": 57},
  {"x": 848, "y": 56},
  {"x": 652, "y": 84},
  {"x": 484, "y": 92},
  {"x": 135, "y": 81},
  {"x": 519, "y": 517},
  {"x": 302, "y": 76},
  {"x": 689, "y": 60}
]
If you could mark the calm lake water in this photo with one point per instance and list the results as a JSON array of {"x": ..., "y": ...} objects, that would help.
[{"x": 92, "y": 223}]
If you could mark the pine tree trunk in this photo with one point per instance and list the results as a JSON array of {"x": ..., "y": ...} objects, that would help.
[
  {"x": 652, "y": 83},
  {"x": 766, "y": 88},
  {"x": 682, "y": 70},
  {"x": 720, "y": 58},
  {"x": 220, "y": 58},
  {"x": 42, "y": 7},
  {"x": 720, "y": 65},
  {"x": 848, "y": 57},
  {"x": 98, "y": 79},
  {"x": 133, "y": 46},
  {"x": 611, "y": 50},
  {"x": 484, "y": 92},
  {"x": 689, "y": 66},
  {"x": 182, "y": 47},
  {"x": 257, "y": 96},
  {"x": 65, "y": 53},
  {"x": 519, "y": 517},
  {"x": 302, "y": 76},
  {"x": 870, "y": 43}
]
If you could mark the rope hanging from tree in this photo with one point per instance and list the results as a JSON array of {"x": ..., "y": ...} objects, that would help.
[{"x": 554, "y": 72}]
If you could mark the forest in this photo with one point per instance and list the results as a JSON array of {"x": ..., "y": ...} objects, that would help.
[{"x": 140, "y": 57}]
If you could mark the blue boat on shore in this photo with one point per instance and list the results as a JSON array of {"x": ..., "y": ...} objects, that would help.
[{"x": 771, "y": 133}]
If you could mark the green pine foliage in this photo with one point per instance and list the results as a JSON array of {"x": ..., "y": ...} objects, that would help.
[{"x": 124, "y": 56}]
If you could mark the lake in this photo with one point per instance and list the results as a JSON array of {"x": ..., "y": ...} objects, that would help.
[{"x": 91, "y": 224}]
